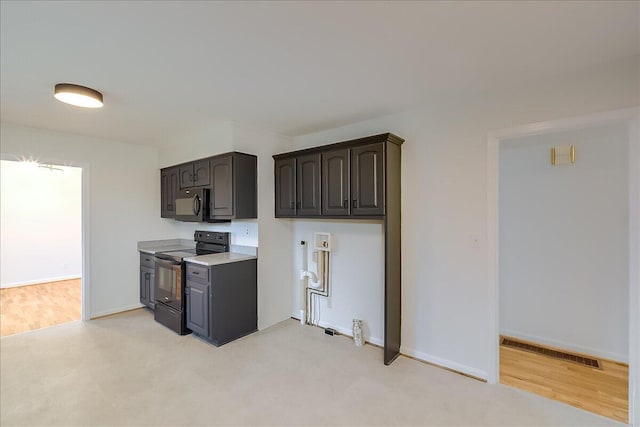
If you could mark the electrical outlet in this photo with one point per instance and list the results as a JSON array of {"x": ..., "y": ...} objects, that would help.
[{"x": 246, "y": 231}]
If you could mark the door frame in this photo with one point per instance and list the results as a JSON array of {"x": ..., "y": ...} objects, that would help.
[
  {"x": 85, "y": 219},
  {"x": 630, "y": 116}
]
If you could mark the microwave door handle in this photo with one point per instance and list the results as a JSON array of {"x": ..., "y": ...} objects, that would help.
[{"x": 196, "y": 205}]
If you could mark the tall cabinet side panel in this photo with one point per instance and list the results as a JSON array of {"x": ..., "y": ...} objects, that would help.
[{"x": 393, "y": 279}]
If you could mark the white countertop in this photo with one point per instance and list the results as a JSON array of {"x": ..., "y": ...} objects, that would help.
[
  {"x": 221, "y": 258},
  {"x": 154, "y": 246},
  {"x": 155, "y": 250}
]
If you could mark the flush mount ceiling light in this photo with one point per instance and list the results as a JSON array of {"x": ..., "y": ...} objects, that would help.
[{"x": 78, "y": 95}]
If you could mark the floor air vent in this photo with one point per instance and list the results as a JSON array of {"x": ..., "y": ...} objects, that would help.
[{"x": 532, "y": 348}]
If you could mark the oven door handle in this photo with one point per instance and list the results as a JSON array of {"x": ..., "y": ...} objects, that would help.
[{"x": 166, "y": 260}]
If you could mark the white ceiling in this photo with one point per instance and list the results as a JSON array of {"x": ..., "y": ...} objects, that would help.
[{"x": 292, "y": 67}]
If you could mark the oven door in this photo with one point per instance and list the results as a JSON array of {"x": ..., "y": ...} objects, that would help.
[
  {"x": 192, "y": 205},
  {"x": 169, "y": 282}
]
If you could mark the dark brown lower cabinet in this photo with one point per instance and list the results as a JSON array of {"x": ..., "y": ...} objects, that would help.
[
  {"x": 222, "y": 300},
  {"x": 147, "y": 280}
]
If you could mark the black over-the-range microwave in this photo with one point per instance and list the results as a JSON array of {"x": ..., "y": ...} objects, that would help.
[{"x": 193, "y": 205}]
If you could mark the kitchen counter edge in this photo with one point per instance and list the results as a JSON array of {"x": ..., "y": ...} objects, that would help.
[{"x": 220, "y": 258}]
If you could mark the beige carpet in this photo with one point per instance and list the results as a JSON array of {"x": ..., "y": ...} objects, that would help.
[
  {"x": 26, "y": 308},
  {"x": 129, "y": 370}
]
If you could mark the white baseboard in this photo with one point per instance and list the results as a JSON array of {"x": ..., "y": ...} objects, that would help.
[
  {"x": 343, "y": 331},
  {"x": 114, "y": 311},
  {"x": 39, "y": 281},
  {"x": 567, "y": 346},
  {"x": 449, "y": 364},
  {"x": 434, "y": 360}
]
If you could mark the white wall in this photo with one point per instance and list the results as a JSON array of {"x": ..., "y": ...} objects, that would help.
[
  {"x": 356, "y": 274},
  {"x": 564, "y": 233},
  {"x": 270, "y": 235},
  {"x": 445, "y": 290},
  {"x": 123, "y": 203},
  {"x": 41, "y": 215}
]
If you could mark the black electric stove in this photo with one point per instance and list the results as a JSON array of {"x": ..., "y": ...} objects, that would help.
[{"x": 171, "y": 278}]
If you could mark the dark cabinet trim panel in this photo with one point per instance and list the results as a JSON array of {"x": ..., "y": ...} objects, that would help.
[{"x": 351, "y": 180}]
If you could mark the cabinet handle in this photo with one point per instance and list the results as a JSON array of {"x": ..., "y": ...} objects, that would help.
[
  {"x": 298, "y": 205},
  {"x": 355, "y": 203},
  {"x": 195, "y": 177},
  {"x": 197, "y": 273},
  {"x": 345, "y": 204}
]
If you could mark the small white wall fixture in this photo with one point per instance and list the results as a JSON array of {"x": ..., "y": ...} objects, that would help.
[{"x": 628, "y": 116}]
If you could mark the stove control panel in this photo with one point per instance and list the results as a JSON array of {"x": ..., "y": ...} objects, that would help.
[{"x": 219, "y": 237}]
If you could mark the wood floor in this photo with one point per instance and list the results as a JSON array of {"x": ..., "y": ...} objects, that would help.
[
  {"x": 26, "y": 308},
  {"x": 603, "y": 392}
]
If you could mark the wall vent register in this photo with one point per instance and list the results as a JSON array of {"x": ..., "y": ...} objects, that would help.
[{"x": 556, "y": 354}]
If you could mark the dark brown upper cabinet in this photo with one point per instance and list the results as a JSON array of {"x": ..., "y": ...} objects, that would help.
[
  {"x": 285, "y": 189},
  {"x": 308, "y": 185},
  {"x": 367, "y": 180},
  {"x": 222, "y": 195},
  {"x": 342, "y": 180},
  {"x": 234, "y": 187},
  {"x": 336, "y": 178},
  {"x": 360, "y": 179},
  {"x": 231, "y": 179},
  {"x": 168, "y": 190},
  {"x": 297, "y": 186},
  {"x": 195, "y": 174}
]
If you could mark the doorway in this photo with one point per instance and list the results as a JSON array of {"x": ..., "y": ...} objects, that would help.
[
  {"x": 558, "y": 268},
  {"x": 41, "y": 244},
  {"x": 563, "y": 267}
]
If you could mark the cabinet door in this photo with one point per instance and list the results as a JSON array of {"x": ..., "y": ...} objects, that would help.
[
  {"x": 186, "y": 176},
  {"x": 151, "y": 295},
  {"x": 164, "y": 193},
  {"x": 201, "y": 175},
  {"x": 367, "y": 180},
  {"x": 222, "y": 192},
  {"x": 144, "y": 286},
  {"x": 198, "y": 308},
  {"x": 285, "y": 170},
  {"x": 335, "y": 182},
  {"x": 173, "y": 191},
  {"x": 308, "y": 185},
  {"x": 147, "y": 286},
  {"x": 168, "y": 190}
]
